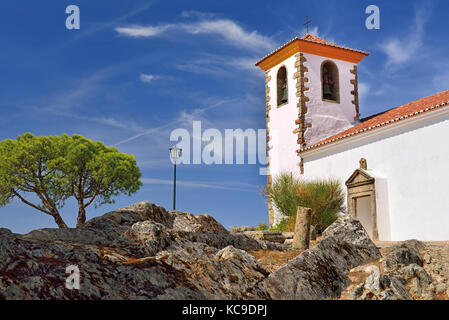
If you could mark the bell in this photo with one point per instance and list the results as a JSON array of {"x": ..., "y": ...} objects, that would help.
[
  {"x": 284, "y": 96},
  {"x": 327, "y": 91}
]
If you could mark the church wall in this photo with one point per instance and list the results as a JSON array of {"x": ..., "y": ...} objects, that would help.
[
  {"x": 281, "y": 126},
  {"x": 413, "y": 201},
  {"x": 327, "y": 118}
]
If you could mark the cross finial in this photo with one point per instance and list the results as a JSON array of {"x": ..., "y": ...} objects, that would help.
[{"x": 307, "y": 23}]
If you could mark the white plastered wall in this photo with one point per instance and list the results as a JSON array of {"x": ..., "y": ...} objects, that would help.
[
  {"x": 413, "y": 177},
  {"x": 328, "y": 118},
  {"x": 283, "y": 144}
]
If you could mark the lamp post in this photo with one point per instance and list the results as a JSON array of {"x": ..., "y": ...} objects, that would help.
[{"x": 175, "y": 154}]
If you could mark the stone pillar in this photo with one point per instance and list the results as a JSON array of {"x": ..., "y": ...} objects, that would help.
[{"x": 301, "y": 238}]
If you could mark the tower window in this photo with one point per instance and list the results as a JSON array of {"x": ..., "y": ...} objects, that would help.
[
  {"x": 282, "y": 87},
  {"x": 329, "y": 81}
]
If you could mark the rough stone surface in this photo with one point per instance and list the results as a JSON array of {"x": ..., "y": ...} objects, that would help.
[
  {"x": 382, "y": 287},
  {"x": 240, "y": 229},
  {"x": 138, "y": 252},
  {"x": 321, "y": 272},
  {"x": 418, "y": 282},
  {"x": 407, "y": 253},
  {"x": 267, "y": 235},
  {"x": 288, "y": 235},
  {"x": 205, "y": 223},
  {"x": 404, "y": 270}
]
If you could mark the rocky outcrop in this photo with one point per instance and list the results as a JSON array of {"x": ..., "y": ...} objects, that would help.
[
  {"x": 382, "y": 287},
  {"x": 240, "y": 229},
  {"x": 267, "y": 235},
  {"x": 138, "y": 252},
  {"x": 145, "y": 252},
  {"x": 204, "y": 223},
  {"x": 407, "y": 253},
  {"x": 404, "y": 277},
  {"x": 321, "y": 272}
]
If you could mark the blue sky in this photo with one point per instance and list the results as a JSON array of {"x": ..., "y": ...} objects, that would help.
[{"x": 136, "y": 70}]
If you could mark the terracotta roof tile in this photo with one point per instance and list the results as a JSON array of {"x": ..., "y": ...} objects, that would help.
[
  {"x": 311, "y": 38},
  {"x": 388, "y": 117}
]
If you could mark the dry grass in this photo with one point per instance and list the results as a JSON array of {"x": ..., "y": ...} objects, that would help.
[{"x": 273, "y": 259}]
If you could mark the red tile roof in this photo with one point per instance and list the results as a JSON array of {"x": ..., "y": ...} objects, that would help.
[
  {"x": 388, "y": 117},
  {"x": 311, "y": 38}
]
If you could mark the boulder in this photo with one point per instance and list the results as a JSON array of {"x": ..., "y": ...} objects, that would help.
[
  {"x": 381, "y": 287},
  {"x": 138, "y": 252},
  {"x": 288, "y": 235},
  {"x": 407, "y": 253},
  {"x": 204, "y": 223},
  {"x": 240, "y": 229},
  {"x": 267, "y": 235},
  {"x": 418, "y": 282},
  {"x": 321, "y": 272}
]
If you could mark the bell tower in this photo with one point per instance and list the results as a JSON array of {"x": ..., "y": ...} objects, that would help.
[{"x": 311, "y": 93}]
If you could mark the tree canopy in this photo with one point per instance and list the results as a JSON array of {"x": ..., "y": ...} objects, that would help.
[{"x": 55, "y": 168}]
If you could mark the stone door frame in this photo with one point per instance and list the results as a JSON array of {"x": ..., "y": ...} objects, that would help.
[{"x": 364, "y": 187}]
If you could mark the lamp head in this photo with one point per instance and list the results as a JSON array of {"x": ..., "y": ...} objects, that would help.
[{"x": 175, "y": 153}]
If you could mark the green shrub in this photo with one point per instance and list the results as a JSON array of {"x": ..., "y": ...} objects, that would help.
[
  {"x": 325, "y": 197},
  {"x": 261, "y": 227},
  {"x": 285, "y": 225}
]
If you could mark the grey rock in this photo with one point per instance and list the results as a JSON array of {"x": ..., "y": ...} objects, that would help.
[
  {"x": 267, "y": 235},
  {"x": 427, "y": 258},
  {"x": 138, "y": 252},
  {"x": 204, "y": 223},
  {"x": 381, "y": 287},
  {"x": 321, "y": 272},
  {"x": 288, "y": 235},
  {"x": 413, "y": 244},
  {"x": 418, "y": 282},
  {"x": 240, "y": 229},
  {"x": 400, "y": 257}
]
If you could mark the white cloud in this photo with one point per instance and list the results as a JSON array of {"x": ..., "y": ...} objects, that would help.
[
  {"x": 236, "y": 186},
  {"x": 221, "y": 65},
  {"x": 402, "y": 49},
  {"x": 313, "y": 31},
  {"x": 363, "y": 90},
  {"x": 141, "y": 31},
  {"x": 148, "y": 77},
  {"x": 184, "y": 119},
  {"x": 231, "y": 32},
  {"x": 227, "y": 30}
]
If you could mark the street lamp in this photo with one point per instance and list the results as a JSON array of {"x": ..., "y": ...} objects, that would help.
[{"x": 175, "y": 154}]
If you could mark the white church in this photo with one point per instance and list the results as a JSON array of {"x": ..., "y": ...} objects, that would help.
[{"x": 394, "y": 165}]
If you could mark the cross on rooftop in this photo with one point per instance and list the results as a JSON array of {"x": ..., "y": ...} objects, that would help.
[{"x": 307, "y": 23}]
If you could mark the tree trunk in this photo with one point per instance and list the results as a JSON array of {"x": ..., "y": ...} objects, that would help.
[
  {"x": 301, "y": 238},
  {"x": 81, "y": 215},
  {"x": 61, "y": 224}
]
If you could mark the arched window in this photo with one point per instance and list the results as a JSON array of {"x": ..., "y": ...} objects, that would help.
[
  {"x": 329, "y": 82},
  {"x": 282, "y": 87}
]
